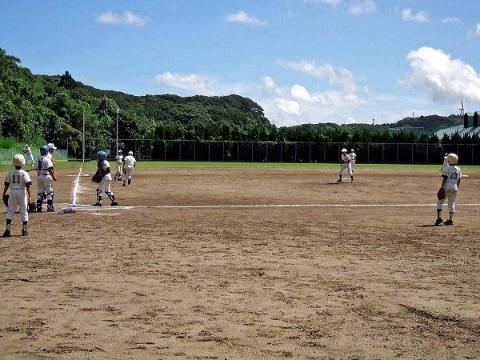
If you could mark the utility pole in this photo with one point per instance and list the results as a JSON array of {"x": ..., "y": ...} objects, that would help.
[
  {"x": 83, "y": 134},
  {"x": 118, "y": 111}
]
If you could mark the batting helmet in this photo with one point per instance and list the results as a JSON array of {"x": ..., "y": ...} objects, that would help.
[
  {"x": 44, "y": 149},
  {"x": 130, "y": 152},
  {"x": 344, "y": 150},
  {"x": 101, "y": 155}
]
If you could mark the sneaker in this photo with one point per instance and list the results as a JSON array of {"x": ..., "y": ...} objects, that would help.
[
  {"x": 448, "y": 222},
  {"x": 51, "y": 209},
  {"x": 129, "y": 181},
  {"x": 97, "y": 204},
  {"x": 114, "y": 203},
  {"x": 6, "y": 233},
  {"x": 24, "y": 232},
  {"x": 124, "y": 184},
  {"x": 438, "y": 221},
  {"x": 339, "y": 180}
]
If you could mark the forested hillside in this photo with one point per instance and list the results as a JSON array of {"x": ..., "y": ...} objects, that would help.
[{"x": 37, "y": 108}]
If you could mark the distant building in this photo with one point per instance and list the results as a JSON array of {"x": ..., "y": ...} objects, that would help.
[{"x": 460, "y": 129}]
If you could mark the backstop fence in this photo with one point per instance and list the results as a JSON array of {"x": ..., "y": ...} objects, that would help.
[
  {"x": 6, "y": 155},
  {"x": 251, "y": 151}
]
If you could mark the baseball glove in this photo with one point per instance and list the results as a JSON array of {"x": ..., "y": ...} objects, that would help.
[
  {"x": 5, "y": 199},
  {"x": 441, "y": 194},
  {"x": 97, "y": 177},
  {"x": 32, "y": 207}
]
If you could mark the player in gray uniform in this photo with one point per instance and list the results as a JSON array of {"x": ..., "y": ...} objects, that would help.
[
  {"x": 19, "y": 183},
  {"x": 104, "y": 179},
  {"x": 451, "y": 176},
  {"x": 46, "y": 177}
]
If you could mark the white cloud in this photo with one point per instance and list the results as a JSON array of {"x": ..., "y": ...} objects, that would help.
[
  {"x": 289, "y": 107},
  {"x": 419, "y": 17},
  {"x": 451, "y": 20},
  {"x": 126, "y": 18},
  {"x": 243, "y": 18},
  {"x": 447, "y": 78},
  {"x": 476, "y": 32},
  {"x": 333, "y": 3},
  {"x": 360, "y": 7},
  {"x": 334, "y": 75}
]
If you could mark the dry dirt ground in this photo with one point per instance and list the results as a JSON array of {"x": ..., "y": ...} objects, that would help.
[{"x": 199, "y": 283}]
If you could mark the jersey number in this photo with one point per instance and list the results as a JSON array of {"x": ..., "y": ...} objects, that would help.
[
  {"x": 454, "y": 176},
  {"x": 16, "y": 179}
]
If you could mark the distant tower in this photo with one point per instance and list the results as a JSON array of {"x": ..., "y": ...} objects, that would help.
[
  {"x": 373, "y": 121},
  {"x": 413, "y": 115},
  {"x": 462, "y": 110}
]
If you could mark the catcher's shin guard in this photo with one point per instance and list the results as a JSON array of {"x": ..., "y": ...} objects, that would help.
[
  {"x": 99, "y": 196},
  {"x": 50, "y": 197},
  {"x": 40, "y": 198},
  {"x": 112, "y": 198}
]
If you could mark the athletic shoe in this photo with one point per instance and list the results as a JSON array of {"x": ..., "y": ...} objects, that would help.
[
  {"x": 24, "y": 232},
  {"x": 129, "y": 181},
  {"x": 114, "y": 203},
  {"x": 124, "y": 184},
  {"x": 6, "y": 233},
  {"x": 339, "y": 180},
  {"x": 97, "y": 204},
  {"x": 448, "y": 222},
  {"x": 51, "y": 209},
  {"x": 438, "y": 221}
]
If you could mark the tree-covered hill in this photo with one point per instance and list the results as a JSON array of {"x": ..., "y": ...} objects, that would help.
[{"x": 38, "y": 108}]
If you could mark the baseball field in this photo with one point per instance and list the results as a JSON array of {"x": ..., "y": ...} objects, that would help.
[{"x": 251, "y": 261}]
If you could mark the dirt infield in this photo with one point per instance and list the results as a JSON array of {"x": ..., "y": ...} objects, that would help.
[{"x": 156, "y": 283}]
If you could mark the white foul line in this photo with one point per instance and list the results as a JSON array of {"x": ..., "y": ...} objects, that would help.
[
  {"x": 255, "y": 206},
  {"x": 76, "y": 185}
]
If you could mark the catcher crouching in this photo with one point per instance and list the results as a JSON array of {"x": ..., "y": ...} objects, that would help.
[
  {"x": 104, "y": 179},
  {"x": 19, "y": 183},
  {"x": 451, "y": 176}
]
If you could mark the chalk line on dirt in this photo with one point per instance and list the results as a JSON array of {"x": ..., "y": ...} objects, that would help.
[{"x": 76, "y": 185}]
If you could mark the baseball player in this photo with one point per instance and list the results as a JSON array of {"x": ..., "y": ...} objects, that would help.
[
  {"x": 46, "y": 177},
  {"x": 119, "y": 161},
  {"x": 451, "y": 177},
  {"x": 129, "y": 164},
  {"x": 445, "y": 162},
  {"x": 104, "y": 179},
  {"x": 19, "y": 183},
  {"x": 353, "y": 159},
  {"x": 27, "y": 153},
  {"x": 345, "y": 165},
  {"x": 51, "y": 150}
]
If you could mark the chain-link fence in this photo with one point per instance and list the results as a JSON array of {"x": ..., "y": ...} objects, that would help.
[
  {"x": 250, "y": 151},
  {"x": 6, "y": 155}
]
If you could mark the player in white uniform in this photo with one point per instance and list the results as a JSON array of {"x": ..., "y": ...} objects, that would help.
[
  {"x": 27, "y": 153},
  {"x": 345, "y": 166},
  {"x": 19, "y": 183},
  {"x": 103, "y": 169},
  {"x": 46, "y": 177},
  {"x": 119, "y": 161},
  {"x": 353, "y": 159},
  {"x": 51, "y": 151},
  {"x": 130, "y": 163},
  {"x": 451, "y": 177}
]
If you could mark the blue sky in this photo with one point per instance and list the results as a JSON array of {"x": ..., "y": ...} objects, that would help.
[{"x": 301, "y": 60}]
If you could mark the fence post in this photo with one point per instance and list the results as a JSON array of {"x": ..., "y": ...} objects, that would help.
[
  {"x": 238, "y": 151},
  {"x": 324, "y": 152},
  {"x": 427, "y": 153},
  {"x": 251, "y": 146},
  {"x": 208, "y": 151},
  {"x": 398, "y": 160},
  {"x": 165, "y": 150},
  {"x": 281, "y": 152},
  {"x": 150, "y": 150},
  {"x": 223, "y": 151},
  {"x": 136, "y": 147},
  {"x": 412, "y": 153},
  {"x": 295, "y": 157},
  {"x": 266, "y": 152},
  {"x": 309, "y": 152},
  {"x": 195, "y": 151},
  {"x": 180, "y": 150},
  {"x": 383, "y": 153},
  {"x": 368, "y": 153}
]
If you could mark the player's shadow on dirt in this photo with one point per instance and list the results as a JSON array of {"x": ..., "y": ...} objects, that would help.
[
  {"x": 333, "y": 183},
  {"x": 428, "y": 225}
]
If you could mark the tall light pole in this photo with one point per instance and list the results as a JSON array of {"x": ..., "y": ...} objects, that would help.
[
  {"x": 83, "y": 134},
  {"x": 118, "y": 111}
]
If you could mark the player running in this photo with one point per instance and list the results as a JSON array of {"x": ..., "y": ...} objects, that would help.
[
  {"x": 27, "y": 153},
  {"x": 46, "y": 177},
  {"x": 451, "y": 176},
  {"x": 345, "y": 166},
  {"x": 129, "y": 164},
  {"x": 104, "y": 178},
  {"x": 119, "y": 161},
  {"x": 19, "y": 183}
]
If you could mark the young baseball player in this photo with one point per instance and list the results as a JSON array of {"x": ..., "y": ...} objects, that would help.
[
  {"x": 27, "y": 153},
  {"x": 119, "y": 161},
  {"x": 51, "y": 151},
  {"x": 353, "y": 159},
  {"x": 345, "y": 166},
  {"x": 105, "y": 179},
  {"x": 130, "y": 163},
  {"x": 451, "y": 177},
  {"x": 19, "y": 183},
  {"x": 45, "y": 179}
]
